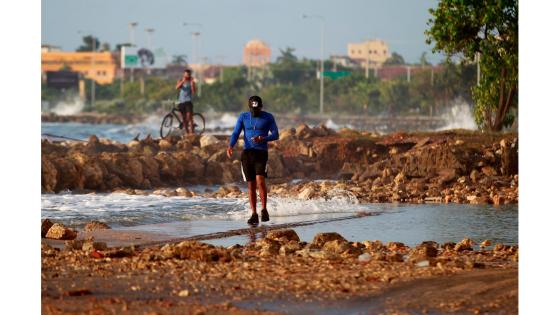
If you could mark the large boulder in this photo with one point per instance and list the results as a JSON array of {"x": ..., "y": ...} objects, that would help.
[
  {"x": 321, "y": 238},
  {"x": 48, "y": 175},
  {"x": 60, "y": 232},
  {"x": 283, "y": 235},
  {"x": 95, "y": 225},
  {"x": 207, "y": 140},
  {"x": 46, "y": 224},
  {"x": 303, "y": 132},
  {"x": 275, "y": 167}
]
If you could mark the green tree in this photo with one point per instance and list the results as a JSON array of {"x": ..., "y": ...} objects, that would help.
[
  {"x": 88, "y": 41},
  {"x": 395, "y": 59},
  {"x": 179, "y": 60},
  {"x": 488, "y": 29}
]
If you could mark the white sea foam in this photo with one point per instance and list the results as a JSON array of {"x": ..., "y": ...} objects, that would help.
[
  {"x": 459, "y": 116},
  {"x": 75, "y": 106},
  {"x": 122, "y": 209}
]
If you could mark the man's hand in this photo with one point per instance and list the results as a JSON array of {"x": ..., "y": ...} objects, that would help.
[
  {"x": 258, "y": 139},
  {"x": 229, "y": 152}
]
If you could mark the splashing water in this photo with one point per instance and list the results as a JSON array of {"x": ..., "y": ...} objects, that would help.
[
  {"x": 459, "y": 116},
  {"x": 72, "y": 107}
]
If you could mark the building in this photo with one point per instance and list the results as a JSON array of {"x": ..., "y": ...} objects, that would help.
[
  {"x": 256, "y": 53},
  {"x": 375, "y": 51},
  {"x": 101, "y": 66},
  {"x": 344, "y": 61}
]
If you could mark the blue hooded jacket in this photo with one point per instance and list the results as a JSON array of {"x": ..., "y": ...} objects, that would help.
[{"x": 252, "y": 127}]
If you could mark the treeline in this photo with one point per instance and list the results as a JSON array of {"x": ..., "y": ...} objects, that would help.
[{"x": 291, "y": 85}]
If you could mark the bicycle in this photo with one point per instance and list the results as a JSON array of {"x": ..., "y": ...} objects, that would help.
[{"x": 174, "y": 121}]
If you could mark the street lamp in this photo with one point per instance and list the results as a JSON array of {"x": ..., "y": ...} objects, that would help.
[
  {"x": 195, "y": 53},
  {"x": 93, "y": 39},
  {"x": 149, "y": 32},
  {"x": 322, "y": 53},
  {"x": 131, "y": 26}
]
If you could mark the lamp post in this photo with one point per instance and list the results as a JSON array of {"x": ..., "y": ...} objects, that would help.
[
  {"x": 131, "y": 26},
  {"x": 322, "y": 61},
  {"x": 195, "y": 53}
]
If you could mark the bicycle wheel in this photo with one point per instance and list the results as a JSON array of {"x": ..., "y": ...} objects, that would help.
[
  {"x": 168, "y": 124},
  {"x": 199, "y": 123}
]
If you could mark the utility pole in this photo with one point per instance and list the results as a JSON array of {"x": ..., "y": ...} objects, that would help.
[
  {"x": 131, "y": 27},
  {"x": 408, "y": 74},
  {"x": 367, "y": 60},
  {"x": 195, "y": 53},
  {"x": 321, "y": 76},
  {"x": 93, "y": 71}
]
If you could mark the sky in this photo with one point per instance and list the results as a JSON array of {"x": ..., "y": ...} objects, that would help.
[{"x": 226, "y": 25}]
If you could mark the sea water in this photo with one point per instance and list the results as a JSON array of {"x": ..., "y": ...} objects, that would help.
[{"x": 187, "y": 217}]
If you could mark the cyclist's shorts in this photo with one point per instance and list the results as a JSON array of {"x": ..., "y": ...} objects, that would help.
[{"x": 186, "y": 107}]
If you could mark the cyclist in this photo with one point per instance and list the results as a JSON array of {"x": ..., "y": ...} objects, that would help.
[
  {"x": 187, "y": 90},
  {"x": 256, "y": 125}
]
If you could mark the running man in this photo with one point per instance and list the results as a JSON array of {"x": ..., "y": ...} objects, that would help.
[
  {"x": 187, "y": 90},
  {"x": 256, "y": 125}
]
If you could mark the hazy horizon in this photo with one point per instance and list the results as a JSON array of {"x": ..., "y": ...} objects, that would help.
[{"x": 228, "y": 25}]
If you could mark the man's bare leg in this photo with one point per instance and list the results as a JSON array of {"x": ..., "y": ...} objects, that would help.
[
  {"x": 189, "y": 119},
  {"x": 185, "y": 121},
  {"x": 262, "y": 190},
  {"x": 253, "y": 195}
]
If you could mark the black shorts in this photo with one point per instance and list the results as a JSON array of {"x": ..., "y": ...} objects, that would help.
[
  {"x": 186, "y": 107},
  {"x": 253, "y": 163}
]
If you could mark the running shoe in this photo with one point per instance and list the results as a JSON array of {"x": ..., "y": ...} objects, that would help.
[
  {"x": 254, "y": 220},
  {"x": 264, "y": 215}
]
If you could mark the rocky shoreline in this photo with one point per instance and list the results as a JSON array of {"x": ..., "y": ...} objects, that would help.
[
  {"x": 195, "y": 277},
  {"x": 93, "y": 118},
  {"x": 451, "y": 166}
]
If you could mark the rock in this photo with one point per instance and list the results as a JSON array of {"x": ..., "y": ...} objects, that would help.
[
  {"x": 90, "y": 246},
  {"x": 283, "y": 236},
  {"x": 96, "y": 225},
  {"x": 426, "y": 250},
  {"x": 183, "y": 293},
  {"x": 395, "y": 257},
  {"x": 165, "y": 145},
  {"x": 183, "y": 192},
  {"x": 498, "y": 200},
  {"x": 489, "y": 171},
  {"x": 321, "y": 238},
  {"x": 365, "y": 257},
  {"x": 336, "y": 246},
  {"x": 303, "y": 132},
  {"x": 207, "y": 140},
  {"x": 46, "y": 224},
  {"x": 485, "y": 243},
  {"x": 48, "y": 175},
  {"x": 275, "y": 165},
  {"x": 395, "y": 246},
  {"x": 307, "y": 193},
  {"x": 400, "y": 178},
  {"x": 375, "y": 245},
  {"x": 448, "y": 246},
  {"x": 289, "y": 248},
  {"x": 509, "y": 159},
  {"x": 287, "y": 134},
  {"x": 459, "y": 142},
  {"x": 74, "y": 244},
  {"x": 474, "y": 175},
  {"x": 268, "y": 247},
  {"x": 465, "y": 244},
  {"x": 423, "y": 263},
  {"x": 59, "y": 232}
]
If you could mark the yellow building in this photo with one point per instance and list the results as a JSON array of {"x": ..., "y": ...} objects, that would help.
[
  {"x": 376, "y": 51},
  {"x": 100, "y": 66}
]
